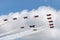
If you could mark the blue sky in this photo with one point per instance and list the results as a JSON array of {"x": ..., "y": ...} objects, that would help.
[{"x": 7, "y": 6}]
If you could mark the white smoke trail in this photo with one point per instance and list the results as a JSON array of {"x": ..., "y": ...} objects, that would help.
[
  {"x": 14, "y": 25},
  {"x": 21, "y": 34}
]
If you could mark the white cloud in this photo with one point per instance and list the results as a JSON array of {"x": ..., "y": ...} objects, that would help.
[{"x": 51, "y": 34}]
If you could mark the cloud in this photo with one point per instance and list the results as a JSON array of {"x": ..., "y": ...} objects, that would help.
[{"x": 41, "y": 21}]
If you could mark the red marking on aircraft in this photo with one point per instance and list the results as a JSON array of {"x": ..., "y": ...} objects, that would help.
[
  {"x": 51, "y": 26},
  {"x": 14, "y": 18},
  {"x": 5, "y": 19},
  {"x": 25, "y": 17},
  {"x": 22, "y": 27},
  {"x": 36, "y": 16},
  {"x": 50, "y": 21},
  {"x": 48, "y": 14},
  {"x": 49, "y": 18},
  {"x": 32, "y": 26}
]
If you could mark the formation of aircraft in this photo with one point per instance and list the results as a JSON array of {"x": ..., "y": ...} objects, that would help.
[{"x": 17, "y": 33}]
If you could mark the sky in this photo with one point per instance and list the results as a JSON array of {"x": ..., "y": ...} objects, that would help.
[
  {"x": 11, "y": 29},
  {"x": 8, "y": 6}
]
